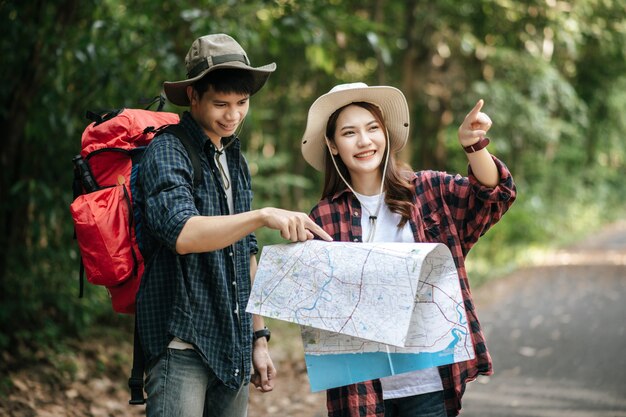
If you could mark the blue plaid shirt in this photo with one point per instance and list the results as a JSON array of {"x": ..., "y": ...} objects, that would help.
[{"x": 199, "y": 298}]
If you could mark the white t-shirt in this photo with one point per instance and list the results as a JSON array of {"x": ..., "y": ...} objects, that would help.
[
  {"x": 415, "y": 382},
  {"x": 226, "y": 180}
]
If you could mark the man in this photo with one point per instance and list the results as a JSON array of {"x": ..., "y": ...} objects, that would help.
[{"x": 197, "y": 339}]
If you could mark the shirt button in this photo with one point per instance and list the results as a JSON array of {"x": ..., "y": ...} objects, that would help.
[
  {"x": 236, "y": 371},
  {"x": 356, "y": 214},
  {"x": 356, "y": 239},
  {"x": 230, "y": 254},
  {"x": 234, "y": 283}
]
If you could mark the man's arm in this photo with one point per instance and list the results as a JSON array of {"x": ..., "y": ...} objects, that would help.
[
  {"x": 209, "y": 233},
  {"x": 264, "y": 370}
]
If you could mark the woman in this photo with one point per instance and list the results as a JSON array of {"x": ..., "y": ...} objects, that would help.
[{"x": 353, "y": 135}]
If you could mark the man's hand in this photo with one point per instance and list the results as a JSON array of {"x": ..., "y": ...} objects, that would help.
[
  {"x": 264, "y": 371},
  {"x": 293, "y": 225}
]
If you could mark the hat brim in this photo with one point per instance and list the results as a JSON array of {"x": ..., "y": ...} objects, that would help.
[
  {"x": 389, "y": 99},
  {"x": 176, "y": 91}
]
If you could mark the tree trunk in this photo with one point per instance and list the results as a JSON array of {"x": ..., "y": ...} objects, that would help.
[
  {"x": 407, "y": 76},
  {"x": 27, "y": 77}
]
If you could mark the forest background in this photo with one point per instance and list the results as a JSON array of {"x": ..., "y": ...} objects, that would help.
[{"x": 552, "y": 73}]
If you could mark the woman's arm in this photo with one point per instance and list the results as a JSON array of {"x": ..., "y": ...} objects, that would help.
[{"x": 473, "y": 130}]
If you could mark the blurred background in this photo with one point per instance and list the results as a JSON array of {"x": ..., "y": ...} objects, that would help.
[{"x": 552, "y": 74}]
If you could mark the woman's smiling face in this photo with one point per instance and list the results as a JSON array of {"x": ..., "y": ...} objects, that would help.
[{"x": 359, "y": 139}]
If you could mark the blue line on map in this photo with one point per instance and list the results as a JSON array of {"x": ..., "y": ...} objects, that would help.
[
  {"x": 322, "y": 290},
  {"x": 461, "y": 312}
]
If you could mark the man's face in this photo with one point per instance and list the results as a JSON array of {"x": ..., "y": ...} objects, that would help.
[{"x": 219, "y": 114}]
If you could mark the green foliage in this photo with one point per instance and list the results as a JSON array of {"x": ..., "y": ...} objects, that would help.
[
  {"x": 551, "y": 74},
  {"x": 545, "y": 218}
]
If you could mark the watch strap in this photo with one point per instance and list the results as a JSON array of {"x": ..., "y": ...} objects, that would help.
[
  {"x": 476, "y": 146},
  {"x": 265, "y": 332}
]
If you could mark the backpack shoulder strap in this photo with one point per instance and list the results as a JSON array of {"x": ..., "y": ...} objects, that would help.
[
  {"x": 135, "y": 382},
  {"x": 182, "y": 135}
]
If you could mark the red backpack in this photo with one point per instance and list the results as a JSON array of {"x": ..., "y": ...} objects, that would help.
[
  {"x": 107, "y": 228},
  {"x": 105, "y": 172}
]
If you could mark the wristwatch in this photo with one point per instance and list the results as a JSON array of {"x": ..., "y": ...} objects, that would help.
[
  {"x": 264, "y": 332},
  {"x": 477, "y": 146}
]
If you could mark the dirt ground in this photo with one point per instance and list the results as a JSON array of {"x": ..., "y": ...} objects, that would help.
[{"x": 88, "y": 378}]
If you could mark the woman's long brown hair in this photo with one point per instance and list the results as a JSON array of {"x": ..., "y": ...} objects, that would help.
[{"x": 396, "y": 184}]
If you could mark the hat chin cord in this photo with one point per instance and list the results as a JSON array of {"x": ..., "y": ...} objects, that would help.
[
  {"x": 240, "y": 128},
  {"x": 373, "y": 217},
  {"x": 220, "y": 152},
  {"x": 233, "y": 136}
]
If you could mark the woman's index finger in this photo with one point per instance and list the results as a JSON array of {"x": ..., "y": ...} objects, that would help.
[{"x": 477, "y": 108}]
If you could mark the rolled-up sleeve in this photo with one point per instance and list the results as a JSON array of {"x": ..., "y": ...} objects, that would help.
[
  {"x": 471, "y": 206},
  {"x": 502, "y": 192},
  {"x": 486, "y": 205},
  {"x": 166, "y": 176}
]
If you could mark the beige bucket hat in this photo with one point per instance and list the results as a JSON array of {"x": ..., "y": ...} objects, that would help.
[
  {"x": 390, "y": 100},
  {"x": 209, "y": 53}
]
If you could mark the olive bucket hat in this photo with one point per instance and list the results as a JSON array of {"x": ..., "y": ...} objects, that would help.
[
  {"x": 390, "y": 100},
  {"x": 209, "y": 53}
]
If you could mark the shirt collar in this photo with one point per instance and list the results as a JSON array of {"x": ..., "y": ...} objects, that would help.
[
  {"x": 340, "y": 193},
  {"x": 344, "y": 190}
]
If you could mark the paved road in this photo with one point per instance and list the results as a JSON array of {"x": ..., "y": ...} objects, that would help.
[
  {"x": 557, "y": 336},
  {"x": 556, "y": 332}
]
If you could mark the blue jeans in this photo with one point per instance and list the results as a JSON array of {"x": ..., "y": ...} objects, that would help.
[
  {"x": 424, "y": 405},
  {"x": 179, "y": 384}
]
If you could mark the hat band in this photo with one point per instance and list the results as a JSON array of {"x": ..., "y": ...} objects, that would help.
[{"x": 219, "y": 59}]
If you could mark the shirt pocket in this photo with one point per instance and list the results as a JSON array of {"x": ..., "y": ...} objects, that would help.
[
  {"x": 433, "y": 228},
  {"x": 207, "y": 201},
  {"x": 243, "y": 201}
]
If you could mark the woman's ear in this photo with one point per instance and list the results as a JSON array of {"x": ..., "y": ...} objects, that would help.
[{"x": 331, "y": 147}]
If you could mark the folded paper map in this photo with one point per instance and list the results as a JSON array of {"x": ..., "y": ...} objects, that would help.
[{"x": 367, "y": 310}]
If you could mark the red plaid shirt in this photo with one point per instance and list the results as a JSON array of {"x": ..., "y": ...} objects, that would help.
[{"x": 449, "y": 209}]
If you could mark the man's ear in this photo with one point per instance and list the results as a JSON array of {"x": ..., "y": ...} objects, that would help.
[{"x": 191, "y": 93}]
